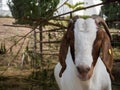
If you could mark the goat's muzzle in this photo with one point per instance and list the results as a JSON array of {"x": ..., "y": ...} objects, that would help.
[{"x": 84, "y": 72}]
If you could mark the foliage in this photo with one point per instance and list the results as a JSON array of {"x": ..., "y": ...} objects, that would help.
[
  {"x": 30, "y": 57},
  {"x": 2, "y": 48},
  {"x": 32, "y": 9},
  {"x": 112, "y": 10},
  {"x": 44, "y": 77},
  {"x": 75, "y": 6},
  {"x": 116, "y": 40},
  {"x": 116, "y": 53}
]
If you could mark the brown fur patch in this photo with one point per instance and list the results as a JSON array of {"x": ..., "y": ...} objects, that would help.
[
  {"x": 68, "y": 40},
  {"x": 103, "y": 42}
]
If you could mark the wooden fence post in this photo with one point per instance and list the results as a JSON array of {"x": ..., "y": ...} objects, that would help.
[
  {"x": 41, "y": 46},
  {"x": 35, "y": 48}
]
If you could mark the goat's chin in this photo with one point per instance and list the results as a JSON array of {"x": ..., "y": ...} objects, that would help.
[{"x": 83, "y": 78}]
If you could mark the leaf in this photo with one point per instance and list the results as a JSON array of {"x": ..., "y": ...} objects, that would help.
[
  {"x": 75, "y": 6},
  {"x": 69, "y": 5}
]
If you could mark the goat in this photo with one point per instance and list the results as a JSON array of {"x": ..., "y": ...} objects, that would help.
[{"x": 81, "y": 67}]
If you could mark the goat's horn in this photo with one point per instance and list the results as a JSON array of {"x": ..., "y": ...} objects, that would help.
[{"x": 99, "y": 20}]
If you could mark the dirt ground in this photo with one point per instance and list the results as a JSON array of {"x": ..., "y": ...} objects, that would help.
[{"x": 9, "y": 35}]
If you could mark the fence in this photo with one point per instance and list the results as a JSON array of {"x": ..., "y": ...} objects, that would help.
[
  {"x": 53, "y": 38},
  {"x": 47, "y": 40}
]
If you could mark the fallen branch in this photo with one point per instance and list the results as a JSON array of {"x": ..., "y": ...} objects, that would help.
[{"x": 24, "y": 26}]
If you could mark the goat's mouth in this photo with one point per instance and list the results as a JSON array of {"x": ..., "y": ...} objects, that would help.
[
  {"x": 84, "y": 73},
  {"x": 84, "y": 76}
]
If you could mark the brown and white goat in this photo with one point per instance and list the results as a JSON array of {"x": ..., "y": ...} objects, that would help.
[{"x": 81, "y": 66}]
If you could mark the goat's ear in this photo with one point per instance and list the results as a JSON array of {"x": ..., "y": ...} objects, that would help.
[
  {"x": 64, "y": 47},
  {"x": 107, "y": 54},
  {"x": 63, "y": 53}
]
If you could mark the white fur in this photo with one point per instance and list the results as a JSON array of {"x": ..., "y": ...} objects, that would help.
[
  {"x": 84, "y": 39},
  {"x": 85, "y": 34}
]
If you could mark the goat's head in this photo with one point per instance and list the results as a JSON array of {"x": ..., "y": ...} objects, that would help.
[{"x": 86, "y": 39}]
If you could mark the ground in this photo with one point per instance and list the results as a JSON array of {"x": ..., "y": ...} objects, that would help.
[
  {"x": 13, "y": 76},
  {"x": 9, "y": 35}
]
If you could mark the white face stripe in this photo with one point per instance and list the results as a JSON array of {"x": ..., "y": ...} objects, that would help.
[{"x": 85, "y": 34}]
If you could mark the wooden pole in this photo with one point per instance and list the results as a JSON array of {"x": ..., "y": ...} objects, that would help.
[
  {"x": 40, "y": 45},
  {"x": 35, "y": 48}
]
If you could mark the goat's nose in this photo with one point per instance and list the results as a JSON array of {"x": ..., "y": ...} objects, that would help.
[{"x": 83, "y": 69}]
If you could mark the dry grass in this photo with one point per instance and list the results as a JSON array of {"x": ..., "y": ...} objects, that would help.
[{"x": 9, "y": 36}]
